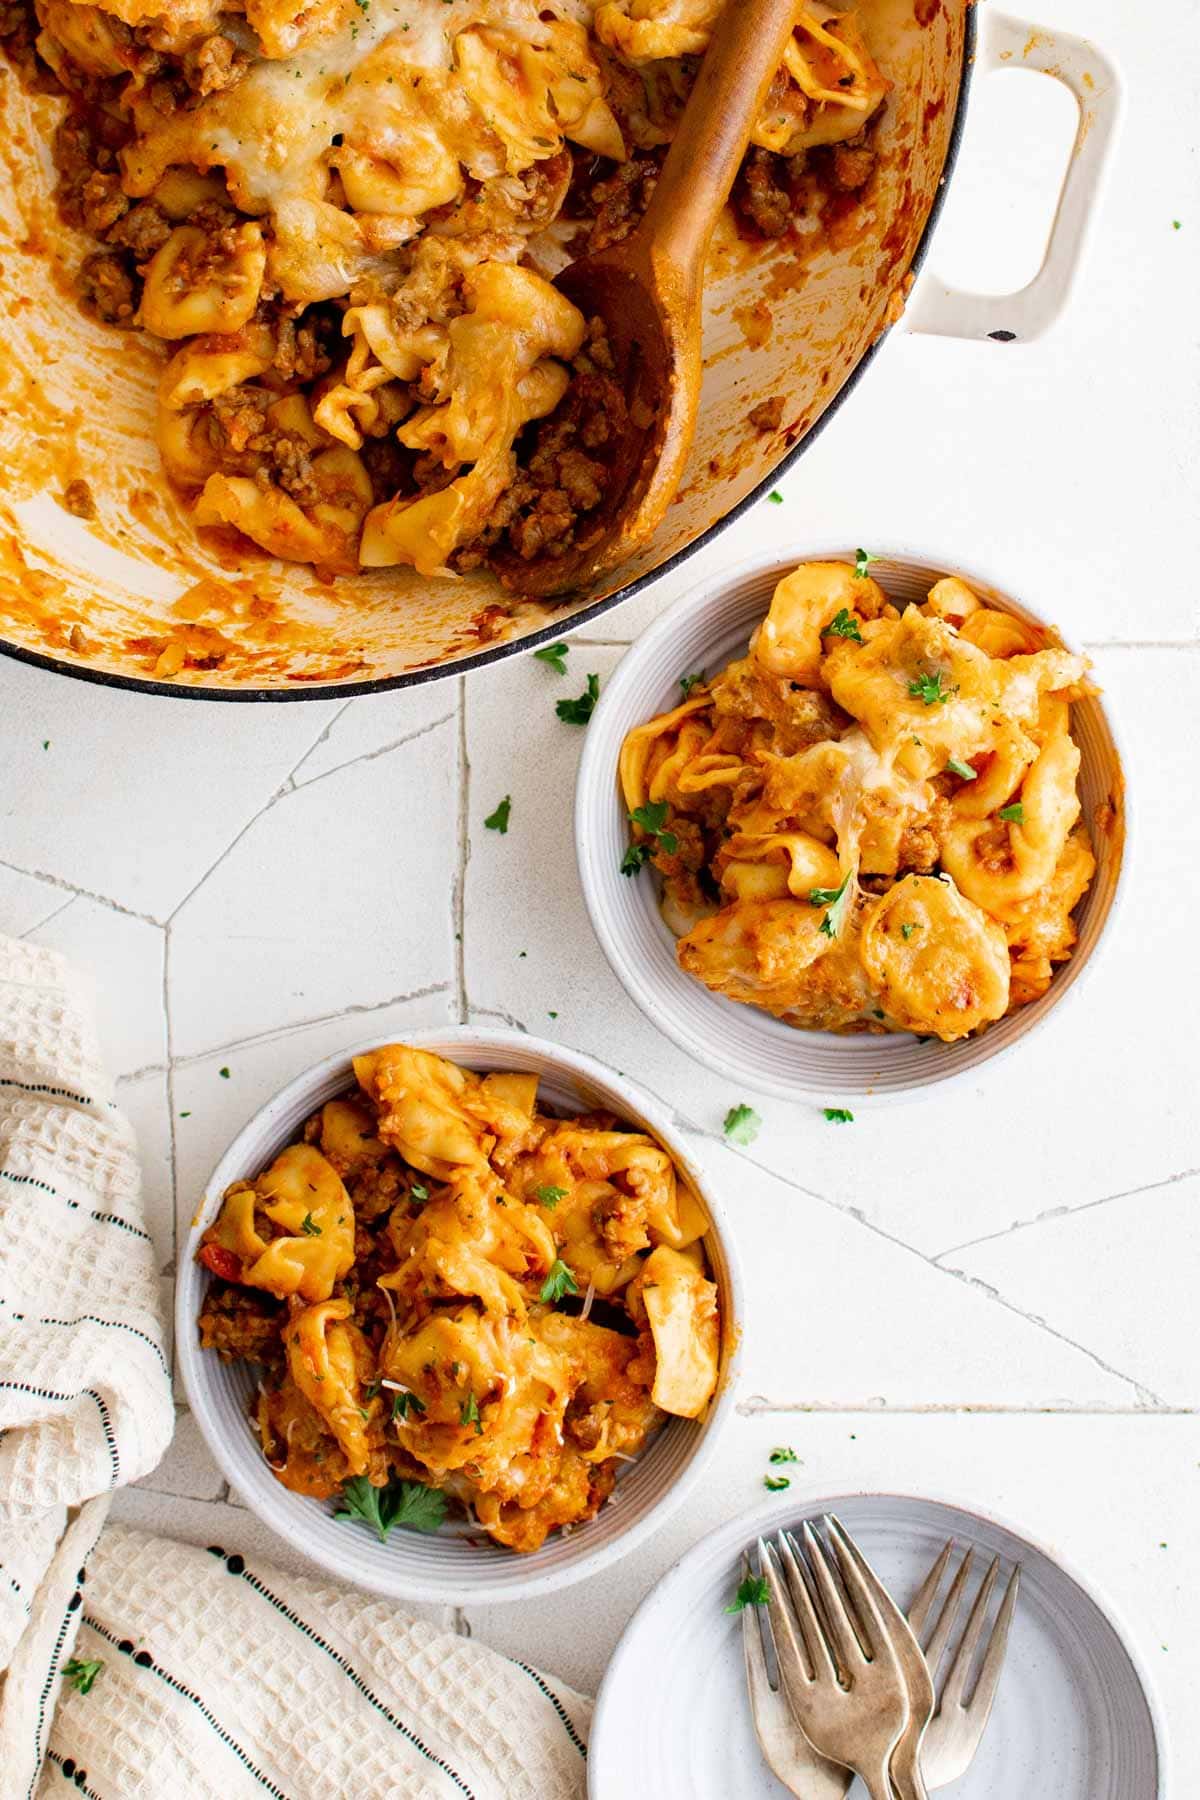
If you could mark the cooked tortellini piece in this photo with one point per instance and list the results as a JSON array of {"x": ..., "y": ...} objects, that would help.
[
  {"x": 424, "y": 1309},
  {"x": 873, "y": 818},
  {"x": 330, "y": 1363},
  {"x": 681, "y": 1308},
  {"x": 289, "y": 1232},
  {"x": 356, "y": 208}
]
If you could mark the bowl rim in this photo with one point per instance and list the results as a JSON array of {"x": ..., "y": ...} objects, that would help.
[
  {"x": 818, "y": 1496},
  {"x": 507, "y": 1582},
  {"x": 352, "y": 690},
  {"x": 593, "y": 773}
]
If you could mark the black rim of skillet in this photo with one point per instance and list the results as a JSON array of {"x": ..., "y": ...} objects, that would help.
[{"x": 351, "y": 690}]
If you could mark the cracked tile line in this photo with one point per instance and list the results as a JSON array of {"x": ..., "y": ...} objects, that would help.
[
  {"x": 286, "y": 786},
  {"x": 1145, "y": 1396},
  {"x": 367, "y": 756},
  {"x": 1142, "y": 644},
  {"x": 50, "y": 916},
  {"x": 81, "y": 893},
  {"x": 505, "y": 1018},
  {"x": 758, "y": 1407},
  {"x": 128, "y": 1076},
  {"x": 363, "y": 1008},
  {"x": 323, "y": 738},
  {"x": 1065, "y": 1212}
]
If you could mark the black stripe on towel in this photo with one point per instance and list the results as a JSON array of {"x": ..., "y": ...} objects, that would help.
[
  {"x": 100, "y": 1218},
  {"x": 109, "y": 1324},
  {"x": 109, "y": 1438},
  {"x": 144, "y": 1660},
  {"x": 41, "y": 1087},
  {"x": 558, "y": 1706},
  {"x": 71, "y": 1771},
  {"x": 348, "y": 1670},
  {"x": 73, "y": 1605}
]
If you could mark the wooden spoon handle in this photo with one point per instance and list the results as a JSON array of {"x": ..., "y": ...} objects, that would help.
[{"x": 744, "y": 52}]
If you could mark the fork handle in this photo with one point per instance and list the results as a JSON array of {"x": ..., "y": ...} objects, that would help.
[
  {"x": 907, "y": 1781},
  {"x": 879, "y": 1786}
]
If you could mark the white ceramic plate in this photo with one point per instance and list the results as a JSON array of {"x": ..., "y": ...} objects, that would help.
[
  {"x": 1074, "y": 1718},
  {"x": 704, "y": 630},
  {"x": 454, "y": 1566}
]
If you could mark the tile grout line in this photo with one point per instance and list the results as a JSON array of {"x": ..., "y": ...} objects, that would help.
[
  {"x": 286, "y": 786},
  {"x": 170, "y": 1085},
  {"x": 80, "y": 893},
  {"x": 1145, "y": 1396},
  {"x": 275, "y": 1032},
  {"x": 300, "y": 787},
  {"x": 1065, "y": 1212},
  {"x": 50, "y": 917},
  {"x": 758, "y": 1406}
]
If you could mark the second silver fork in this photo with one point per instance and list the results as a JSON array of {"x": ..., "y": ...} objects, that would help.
[{"x": 953, "y": 1733}]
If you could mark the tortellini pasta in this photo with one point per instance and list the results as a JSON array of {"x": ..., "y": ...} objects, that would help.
[
  {"x": 872, "y": 822},
  {"x": 418, "y": 1278},
  {"x": 351, "y": 209}
]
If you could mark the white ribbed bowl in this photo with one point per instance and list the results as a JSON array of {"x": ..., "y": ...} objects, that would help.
[
  {"x": 446, "y": 1567},
  {"x": 704, "y": 630}
]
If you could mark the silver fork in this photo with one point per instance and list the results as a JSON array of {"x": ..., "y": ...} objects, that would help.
[
  {"x": 847, "y": 1692},
  {"x": 952, "y": 1736}
]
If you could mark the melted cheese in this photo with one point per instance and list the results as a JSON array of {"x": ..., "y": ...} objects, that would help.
[{"x": 957, "y": 757}]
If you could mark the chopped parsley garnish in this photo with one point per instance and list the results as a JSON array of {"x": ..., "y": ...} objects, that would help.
[
  {"x": 961, "y": 769},
  {"x": 418, "y": 1192},
  {"x": 928, "y": 689},
  {"x": 688, "y": 682},
  {"x": 555, "y": 655},
  {"x": 906, "y": 931},
  {"x": 81, "y": 1674},
  {"x": 742, "y": 1125},
  {"x": 1014, "y": 814},
  {"x": 468, "y": 1414},
  {"x": 549, "y": 1196},
  {"x": 752, "y": 1591},
  {"x": 775, "y": 497},
  {"x": 783, "y": 1453},
  {"x": 498, "y": 820},
  {"x": 309, "y": 1226},
  {"x": 776, "y": 1482},
  {"x": 558, "y": 1282},
  {"x": 837, "y": 1115},
  {"x": 862, "y": 562},
  {"x": 652, "y": 819},
  {"x": 844, "y": 625},
  {"x": 578, "y": 712},
  {"x": 635, "y": 858},
  {"x": 404, "y": 1403},
  {"x": 224, "y": 1074},
  {"x": 837, "y": 900},
  {"x": 408, "y": 1503}
]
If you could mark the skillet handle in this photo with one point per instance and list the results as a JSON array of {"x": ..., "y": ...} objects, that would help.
[{"x": 1008, "y": 43}]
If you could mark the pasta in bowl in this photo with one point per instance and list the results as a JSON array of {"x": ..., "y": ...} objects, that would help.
[
  {"x": 461, "y": 1295},
  {"x": 883, "y": 816},
  {"x": 341, "y": 221}
]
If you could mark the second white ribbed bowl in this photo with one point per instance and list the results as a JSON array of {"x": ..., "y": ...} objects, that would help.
[
  {"x": 704, "y": 631},
  {"x": 455, "y": 1567}
]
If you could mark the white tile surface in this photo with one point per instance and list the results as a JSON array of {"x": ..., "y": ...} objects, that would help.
[{"x": 990, "y": 1293}]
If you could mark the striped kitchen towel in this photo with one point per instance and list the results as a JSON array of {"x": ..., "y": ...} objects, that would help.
[{"x": 192, "y": 1674}]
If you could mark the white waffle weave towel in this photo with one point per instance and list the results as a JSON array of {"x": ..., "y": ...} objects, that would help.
[{"x": 218, "y": 1680}]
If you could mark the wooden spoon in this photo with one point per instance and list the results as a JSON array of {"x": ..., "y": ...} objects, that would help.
[{"x": 649, "y": 291}]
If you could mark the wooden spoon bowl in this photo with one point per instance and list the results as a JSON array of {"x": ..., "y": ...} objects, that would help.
[{"x": 649, "y": 291}]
